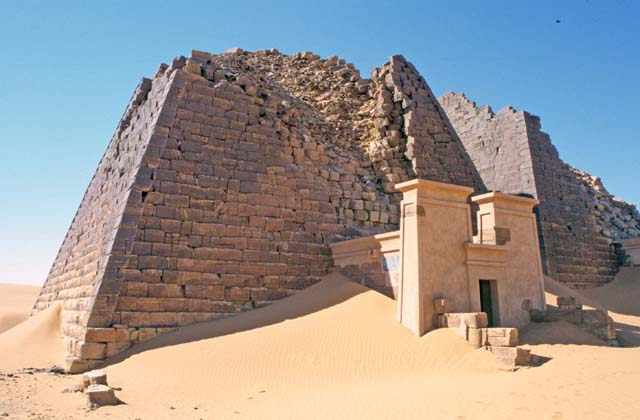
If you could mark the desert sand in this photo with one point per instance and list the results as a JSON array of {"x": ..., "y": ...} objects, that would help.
[
  {"x": 16, "y": 302},
  {"x": 335, "y": 351}
]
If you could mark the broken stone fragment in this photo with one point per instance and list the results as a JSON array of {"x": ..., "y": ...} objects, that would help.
[
  {"x": 236, "y": 51},
  {"x": 512, "y": 356},
  {"x": 178, "y": 63},
  {"x": 193, "y": 67},
  {"x": 94, "y": 377},
  {"x": 342, "y": 72},
  {"x": 100, "y": 395},
  {"x": 201, "y": 55},
  {"x": 162, "y": 68},
  {"x": 77, "y": 365},
  {"x": 309, "y": 56},
  {"x": 243, "y": 80}
]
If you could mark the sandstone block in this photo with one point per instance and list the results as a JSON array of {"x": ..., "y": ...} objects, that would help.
[
  {"x": 471, "y": 319},
  {"x": 512, "y": 356},
  {"x": 121, "y": 333},
  {"x": 237, "y": 294},
  {"x": 94, "y": 335},
  {"x": 94, "y": 377},
  {"x": 502, "y": 337},
  {"x": 75, "y": 365},
  {"x": 550, "y": 315},
  {"x": 92, "y": 351},
  {"x": 100, "y": 395},
  {"x": 476, "y": 337},
  {"x": 116, "y": 348},
  {"x": 204, "y": 292},
  {"x": 165, "y": 290},
  {"x": 162, "y": 318},
  {"x": 235, "y": 50},
  {"x": 145, "y": 334},
  {"x": 136, "y": 288},
  {"x": 594, "y": 317}
]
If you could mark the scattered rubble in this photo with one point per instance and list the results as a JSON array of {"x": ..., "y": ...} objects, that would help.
[
  {"x": 97, "y": 390},
  {"x": 594, "y": 321},
  {"x": 616, "y": 219},
  {"x": 100, "y": 395},
  {"x": 502, "y": 342},
  {"x": 94, "y": 377}
]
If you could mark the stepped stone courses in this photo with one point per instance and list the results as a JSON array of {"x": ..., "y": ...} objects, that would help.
[
  {"x": 578, "y": 219},
  {"x": 226, "y": 180}
]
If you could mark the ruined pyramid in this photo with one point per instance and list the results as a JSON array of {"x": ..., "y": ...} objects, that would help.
[
  {"x": 579, "y": 221},
  {"x": 227, "y": 178}
]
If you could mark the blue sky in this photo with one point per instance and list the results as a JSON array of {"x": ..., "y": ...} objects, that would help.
[{"x": 69, "y": 69}]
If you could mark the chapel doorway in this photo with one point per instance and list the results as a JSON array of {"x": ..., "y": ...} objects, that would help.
[{"x": 489, "y": 301}]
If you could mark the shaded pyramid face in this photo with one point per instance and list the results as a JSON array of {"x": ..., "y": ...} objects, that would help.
[
  {"x": 226, "y": 180},
  {"x": 513, "y": 155}
]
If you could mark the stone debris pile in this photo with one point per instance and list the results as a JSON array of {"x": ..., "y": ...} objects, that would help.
[
  {"x": 594, "y": 321},
  {"x": 616, "y": 218},
  {"x": 474, "y": 327}
]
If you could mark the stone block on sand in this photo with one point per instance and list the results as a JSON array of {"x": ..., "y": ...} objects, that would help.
[
  {"x": 502, "y": 337},
  {"x": 94, "y": 377},
  {"x": 100, "y": 395},
  {"x": 512, "y": 356}
]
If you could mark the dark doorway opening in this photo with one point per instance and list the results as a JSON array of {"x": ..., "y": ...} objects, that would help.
[{"x": 489, "y": 301}]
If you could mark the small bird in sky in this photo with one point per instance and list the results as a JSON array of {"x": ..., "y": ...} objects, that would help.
[{"x": 557, "y": 20}]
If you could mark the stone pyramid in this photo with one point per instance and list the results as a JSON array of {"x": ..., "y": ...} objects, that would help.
[
  {"x": 579, "y": 222},
  {"x": 224, "y": 183}
]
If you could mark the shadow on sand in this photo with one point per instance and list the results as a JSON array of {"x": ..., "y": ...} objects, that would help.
[
  {"x": 628, "y": 335},
  {"x": 621, "y": 295}
]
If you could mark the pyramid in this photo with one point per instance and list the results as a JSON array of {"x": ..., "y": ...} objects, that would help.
[
  {"x": 576, "y": 217},
  {"x": 225, "y": 182}
]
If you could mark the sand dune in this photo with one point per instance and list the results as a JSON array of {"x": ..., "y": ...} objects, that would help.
[
  {"x": 34, "y": 343},
  {"x": 335, "y": 351},
  {"x": 352, "y": 342},
  {"x": 16, "y": 302},
  {"x": 28, "y": 342}
]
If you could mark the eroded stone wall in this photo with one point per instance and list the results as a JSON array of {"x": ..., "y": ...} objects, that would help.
[
  {"x": 77, "y": 274},
  {"x": 496, "y": 142},
  {"x": 514, "y": 156}
]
